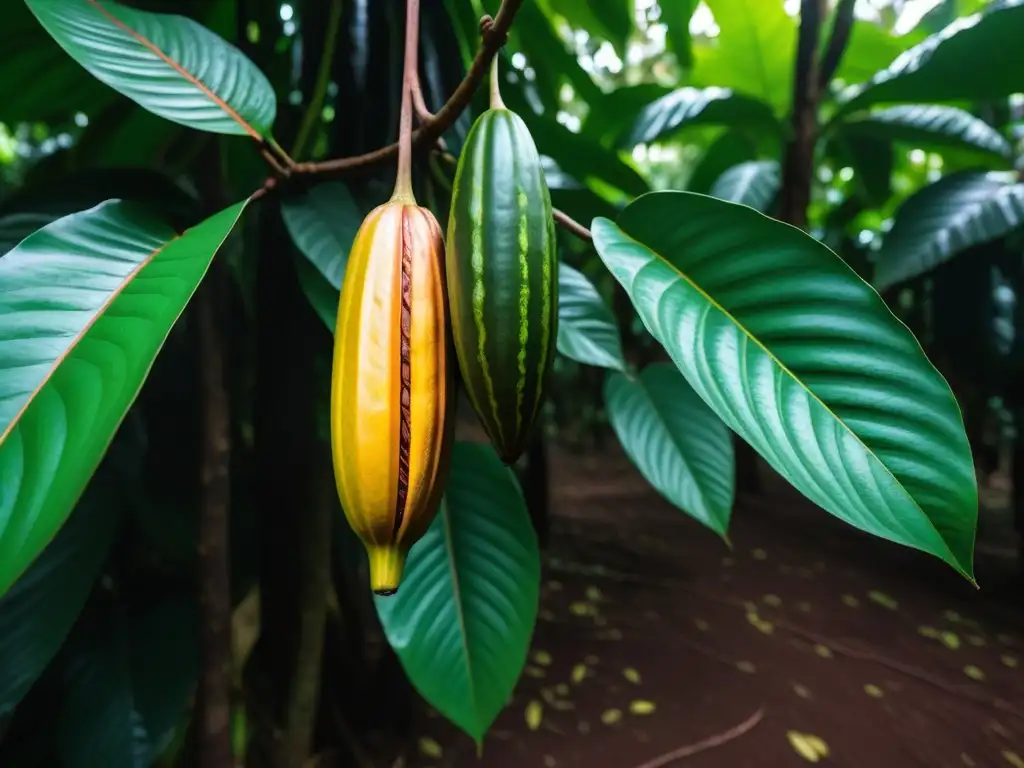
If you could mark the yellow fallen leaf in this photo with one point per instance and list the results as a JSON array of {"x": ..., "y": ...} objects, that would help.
[
  {"x": 641, "y": 707},
  {"x": 802, "y": 691},
  {"x": 967, "y": 760},
  {"x": 600, "y": 621},
  {"x": 534, "y": 714},
  {"x": 548, "y": 695},
  {"x": 873, "y": 691},
  {"x": 746, "y": 666},
  {"x": 1008, "y": 660},
  {"x": 809, "y": 747},
  {"x": 823, "y": 650},
  {"x": 883, "y": 599},
  {"x": 535, "y": 672},
  {"x": 1013, "y": 758},
  {"x": 976, "y": 640},
  {"x": 631, "y": 674},
  {"x": 430, "y": 748},
  {"x": 546, "y": 615},
  {"x": 850, "y": 601},
  {"x": 759, "y": 554},
  {"x": 803, "y": 606},
  {"x": 773, "y": 600},
  {"x": 950, "y": 639},
  {"x": 611, "y": 716},
  {"x": 579, "y": 672},
  {"x": 579, "y": 609},
  {"x": 590, "y": 659},
  {"x": 952, "y": 616},
  {"x": 702, "y": 625},
  {"x": 543, "y": 658},
  {"x": 555, "y": 586},
  {"x": 610, "y": 634},
  {"x": 927, "y": 631},
  {"x": 549, "y": 761},
  {"x": 562, "y": 706},
  {"x": 974, "y": 672},
  {"x": 1004, "y": 638},
  {"x": 562, "y": 689},
  {"x": 761, "y": 624},
  {"x": 593, "y": 593}
]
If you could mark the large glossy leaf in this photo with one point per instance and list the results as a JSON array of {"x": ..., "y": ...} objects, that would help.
[
  {"x": 612, "y": 115},
  {"x": 676, "y": 15},
  {"x": 587, "y": 332},
  {"x": 171, "y": 65},
  {"x": 945, "y": 218},
  {"x": 803, "y": 359},
  {"x": 462, "y": 621},
  {"x": 127, "y": 685},
  {"x": 731, "y": 148},
  {"x": 323, "y": 223},
  {"x": 754, "y": 183},
  {"x": 608, "y": 19},
  {"x": 753, "y": 52},
  {"x": 976, "y": 58},
  {"x": 929, "y": 126},
  {"x": 38, "y": 612},
  {"x": 699, "y": 106},
  {"x": 87, "y": 303},
  {"x": 677, "y": 442}
]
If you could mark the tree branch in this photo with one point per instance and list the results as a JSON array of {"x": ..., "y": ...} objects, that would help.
[
  {"x": 842, "y": 26},
  {"x": 423, "y": 114},
  {"x": 571, "y": 225},
  {"x": 709, "y": 743},
  {"x": 798, "y": 166},
  {"x": 494, "y": 37}
]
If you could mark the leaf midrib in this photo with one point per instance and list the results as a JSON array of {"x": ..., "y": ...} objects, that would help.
[
  {"x": 64, "y": 355},
  {"x": 151, "y": 46},
  {"x": 813, "y": 395},
  {"x": 457, "y": 602}
]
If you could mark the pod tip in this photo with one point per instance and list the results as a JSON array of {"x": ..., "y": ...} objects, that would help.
[
  {"x": 386, "y": 566},
  {"x": 385, "y": 592}
]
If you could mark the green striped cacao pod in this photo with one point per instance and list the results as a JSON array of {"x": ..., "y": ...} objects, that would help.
[{"x": 502, "y": 276}]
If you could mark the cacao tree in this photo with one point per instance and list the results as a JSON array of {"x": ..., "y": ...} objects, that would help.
[{"x": 226, "y": 256}]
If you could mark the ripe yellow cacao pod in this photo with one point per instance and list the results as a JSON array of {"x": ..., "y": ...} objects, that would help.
[{"x": 391, "y": 392}]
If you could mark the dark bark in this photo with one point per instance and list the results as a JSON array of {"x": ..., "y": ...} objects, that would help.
[{"x": 214, "y": 694}]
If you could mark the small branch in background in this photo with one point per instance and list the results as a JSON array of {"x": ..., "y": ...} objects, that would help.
[
  {"x": 798, "y": 164},
  {"x": 842, "y": 27},
  {"x": 214, "y": 694},
  {"x": 279, "y": 170},
  {"x": 423, "y": 114},
  {"x": 705, "y": 744},
  {"x": 427, "y": 134},
  {"x": 323, "y": 79},
  {"x": 571, "y": 225}
]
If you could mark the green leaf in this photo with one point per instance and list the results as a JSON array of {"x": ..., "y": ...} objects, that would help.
[
  {"x": 676, "y": 15},
  {"x": 127, "y": 685},
  {"x": 731, "y": 148},
  {"x": 38, "y": 612},
  {"x": 587, "y": 332},
  {"x": 322, "y": 296},
  {"x": 168, "y": 64},
  {"x": 872, "y": 161},
  {"x": 677, "y": 442},
  {"x": 695, "y": 106},
  {"x": 612, "y": 115},
  {"x": 976, "y": 58},
  {"x": 462, "y": 621},
  {"x": 608, "y": 19},
  {"x": 753, "y": 52},
  {"x": 323, "y": 223},
  {"x": 803, "y": 360},
  {"x": 754, "y": 183},
  {"x": 87, "y": 303},
  {"x": 945, "y": 218},
  {"x": 930, "y": 126}
]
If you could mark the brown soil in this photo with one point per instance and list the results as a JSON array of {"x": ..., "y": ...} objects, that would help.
[{"x": 881, "y": 653}]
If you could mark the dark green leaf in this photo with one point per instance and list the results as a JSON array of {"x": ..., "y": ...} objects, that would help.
[
  {"x": 731, "y": 148},
  {"x": 803, "y": 359},
  {"x": 611, "y": 20},
  {"x": 127, "y": 685},
  {"x": 677, "y": 442},
  {"x": 323, "y": 223},
  {"x": 38, "y": 612},
  {"x": 462, "y": 621},
  {"x": 695, "y": 106},
  {"x": 676, "y": 15},
  {"x": 612, "y": 115},
  {"x": 975, "y": 58},
  {"x": 945, "y": 218},
  {"x": 872, "y": 161},
  {"x": 754, "y": 183},
  {"x": 171, "y": 65},
  {"x": 87, "y": 303},
  {"x": 930, "y": 126},
  {"x": 587, "y": 332}
]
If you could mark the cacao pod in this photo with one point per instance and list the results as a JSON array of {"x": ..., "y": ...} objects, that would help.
[
  {"x": 391, "y": 393},
  {"x": 503, "y": 277}
]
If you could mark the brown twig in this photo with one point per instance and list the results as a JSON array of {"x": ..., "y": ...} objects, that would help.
[
  {"x": 705, "y": 744},
  {"x": 842, "y": 26},
  {"x": 268, "y": 157},
  {"x": 423, "y": 114},
  {"x": 493, "y": 39},
  {"x": 571, "y": 225}
]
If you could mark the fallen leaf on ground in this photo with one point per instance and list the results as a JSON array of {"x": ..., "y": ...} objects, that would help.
[
  {"x": 823, "y": 650},
  {"x": 973, "y": 672},
  {"x": 593, "y": 593},
  {"x": 883, "y": 599},
  {"x": 810, "y": 747},
  {"x": 611, "y": 716},
  {"x": 950, "y": 639},
  {"x": 873, "y": 691},
  {"x": 543, "y": 658},
  {"x": 702, "y": 625},
  {"x": 579, "y": 672},
  {"x": 851, "y": 601},
  {"x": 1013, "y": 758},
  {"x": 773, "y": 600},
  {"x": 746, "y": 666},
  {"x": 534, "y": 714},
  {"x": 631, "y": 674},
  {"x": 759, "y": 554},
  {"x": 1008, "y": 660},
  {"x": 430, "y": 748},
  {"x": 641, "y": 707},
  {"x": 802, "y": 691}
]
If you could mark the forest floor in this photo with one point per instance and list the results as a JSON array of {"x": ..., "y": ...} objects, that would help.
[{"x": 807, "y": 642}]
